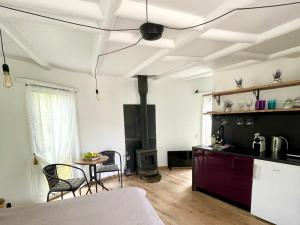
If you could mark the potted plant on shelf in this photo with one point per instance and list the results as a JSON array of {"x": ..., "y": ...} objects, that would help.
[
  {"x": 228, "y": 105},
  {"x": 277, "y": 76},
  {"x": 239, "y": 83}
]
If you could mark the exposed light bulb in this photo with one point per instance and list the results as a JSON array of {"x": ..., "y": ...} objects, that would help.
[
  {"x": 97, "y": 95},
  {"x": 7, "y": 78}
]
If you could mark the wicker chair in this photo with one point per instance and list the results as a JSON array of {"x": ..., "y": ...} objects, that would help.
[
  {"x": 57, "y": 184},
  {"x": 110, "y": 165}
]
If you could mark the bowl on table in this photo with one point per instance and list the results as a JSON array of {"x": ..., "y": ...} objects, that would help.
[{"x": 90, "y": 156}]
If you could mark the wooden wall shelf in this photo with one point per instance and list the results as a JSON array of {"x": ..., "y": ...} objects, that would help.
[
  {"x": 253, "y": 111},
  {"x": 254, "y": 89}
]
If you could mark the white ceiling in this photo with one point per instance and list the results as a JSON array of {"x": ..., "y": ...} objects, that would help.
[
  {"x": 280, "y": 43},
  {"x": 237, "y": 39},
  {"x": 201, "y": 47},
  {"x": 196, "y": 7},
  {"x": 261, "y": 20}
]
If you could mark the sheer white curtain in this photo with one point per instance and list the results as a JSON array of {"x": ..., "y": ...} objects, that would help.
[
  {"x": 54, "y": 129},
  {"x": 206, "y": 120}
]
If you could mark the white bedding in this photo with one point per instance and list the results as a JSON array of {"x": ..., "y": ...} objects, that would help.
[{"x": 127, "y": 206}]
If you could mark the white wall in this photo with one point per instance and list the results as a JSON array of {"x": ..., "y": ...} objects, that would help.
[
  {"x": 101, "y": 124},
  {"x": 255, "y": 75},
  {"x": 178, "y": 114}
]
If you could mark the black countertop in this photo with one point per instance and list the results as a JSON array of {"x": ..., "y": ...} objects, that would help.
[{"x": 246, "y": 152}]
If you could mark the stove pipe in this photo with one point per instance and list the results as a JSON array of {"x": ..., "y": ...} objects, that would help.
[{"x": 143, "y": 90}]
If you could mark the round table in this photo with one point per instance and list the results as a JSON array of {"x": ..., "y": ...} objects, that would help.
[{"x": 92, "y": 169}]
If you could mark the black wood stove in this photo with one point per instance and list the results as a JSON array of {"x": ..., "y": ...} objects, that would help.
[{"x": 140, "y": 134}]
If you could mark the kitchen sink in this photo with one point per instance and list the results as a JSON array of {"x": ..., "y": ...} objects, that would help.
[{"x": 217, "y": 147}]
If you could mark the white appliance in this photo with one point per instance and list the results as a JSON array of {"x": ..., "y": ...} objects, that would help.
[{"x": 276, "y": 192}]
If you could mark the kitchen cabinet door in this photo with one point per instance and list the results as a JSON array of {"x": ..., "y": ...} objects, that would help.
[
  {"x": 276, "y": 192},
  {"x": 195, "y": 170},
  {"x": 215, "y": 165},
  {"x": 202, "y": 178},
  {"x": 238, "y": 179},
  {"x": 240, "y": 166}
]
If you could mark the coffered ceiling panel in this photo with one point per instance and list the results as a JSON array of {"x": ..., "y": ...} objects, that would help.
[
  {"x": 281, "y": 43},
  {"x": 119, "y": 62},
  {"x": 201, "y": 47},
  {"x": 66, "y": 48},
  {"x": 260, "y": 20},
  {"x": 196, "y": 7},
  {"x": 161, "y": 67}
]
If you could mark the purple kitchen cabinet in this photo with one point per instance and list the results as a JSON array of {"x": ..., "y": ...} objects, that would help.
[
  {"x": 209, "y": 171},
  {"x": 201, "y": 176},
  {"x": 195, "y": 171},
  {"x": 225, "y": 175},
  {"x": 238, "y": 179},
  {"x": 215, "y": 166}
]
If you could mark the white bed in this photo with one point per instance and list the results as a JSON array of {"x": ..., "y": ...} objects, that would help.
[{"x": 127, "y": 206}]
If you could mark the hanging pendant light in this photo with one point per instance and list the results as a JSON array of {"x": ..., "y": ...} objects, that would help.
[
  {"x": 97, "y": 95},
  {"x": 97, "y": 91},
  {"x": 7, "y": 78},
  {"x": 96, "y": 79}
]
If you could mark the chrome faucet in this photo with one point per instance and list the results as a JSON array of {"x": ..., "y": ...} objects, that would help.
[{"x": 220, "y": 135}]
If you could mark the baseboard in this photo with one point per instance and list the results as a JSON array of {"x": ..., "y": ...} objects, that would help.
[{"x": 163, "y": 167}]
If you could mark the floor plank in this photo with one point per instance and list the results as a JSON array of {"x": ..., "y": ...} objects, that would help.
[{"x": 177, "y": 204}]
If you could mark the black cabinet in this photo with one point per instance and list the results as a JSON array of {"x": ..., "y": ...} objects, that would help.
[{"x": 179, "y": 159}]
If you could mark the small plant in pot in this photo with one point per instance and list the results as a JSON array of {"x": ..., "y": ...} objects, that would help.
[
  {"x": 239, "y": 83},
  {"x": 228, "y": 105},
  {"x": 277, "y": 76}
]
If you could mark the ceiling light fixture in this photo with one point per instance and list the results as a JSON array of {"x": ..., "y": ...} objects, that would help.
[
  {"x": 7, "y": 78},
  {"x": 151, "y": 31}
]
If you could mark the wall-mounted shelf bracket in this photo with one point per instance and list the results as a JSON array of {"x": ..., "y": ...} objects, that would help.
[
  {"x": 218, "y": 99},
  {"x": 256, "y": 93}
]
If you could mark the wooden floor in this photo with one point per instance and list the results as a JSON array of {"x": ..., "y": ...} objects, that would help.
[{"x": 177, "y": 204}]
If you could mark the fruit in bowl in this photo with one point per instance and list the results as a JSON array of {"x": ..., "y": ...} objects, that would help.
[{"x": 90, "y": 155}]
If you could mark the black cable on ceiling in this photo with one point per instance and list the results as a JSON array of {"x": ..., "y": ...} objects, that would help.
[
  {"x": 231, "y": 11},
  {"x": 120, "y": 49},
  {"x": 209, "y": 21},
  {"x": 65, "y": 21},
  {"x": 117, "y": 50},
  {"x": 2, "y": 47},
  {"x": 135, "y": 29},
  {"x": 147, "y": 10}
]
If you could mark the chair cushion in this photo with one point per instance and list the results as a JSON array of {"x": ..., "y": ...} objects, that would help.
[
  {"x": 63, "y": 186},
  {"x": 50, "y": 171},
  {"x": 111, "y": 157},
  {"x": 107, "y": 168}
]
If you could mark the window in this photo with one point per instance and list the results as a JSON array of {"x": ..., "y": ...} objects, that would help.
[
  {"x": 53, "y": 123},
  {"x": 206, "y": 120}
]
